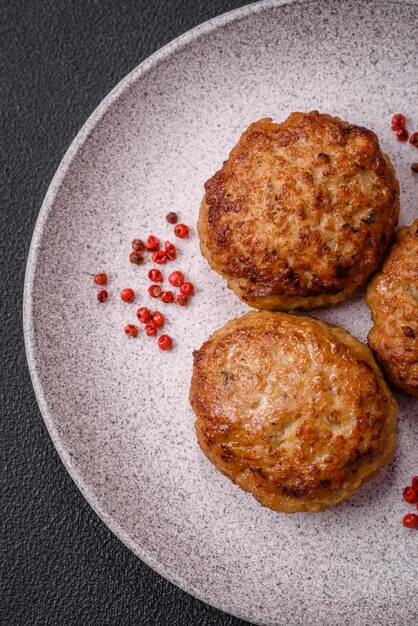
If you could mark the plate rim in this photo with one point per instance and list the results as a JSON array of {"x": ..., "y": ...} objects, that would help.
[{"x": 54, "y": 187}]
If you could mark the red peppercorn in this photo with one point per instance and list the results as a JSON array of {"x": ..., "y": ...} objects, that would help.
[
  {"x": 143, "y": 314},
  {"x": 410, "y": 495},
  {"x": 155, "y": 275},
  {"x": 152, "y": 243},
  {"x": 402, "y": 134},
  {"x": 131, "y": 330},
  {"x": 170, "y": 250},
  {"x": 180, "y": 299},
  {"x": 398, "y": 121},
  {"x": 410, "y": 520},
  {"x": 150, "y": 329},
  {"x": 100, "y": 278},
  {"x": 138, "y": 245},
  {"x": 102, "y": 295},
  {"x": 154, "y": 291},
  {"x": 176, "y": 278},
  {"x": 165, "y": 342},
  {"x": 181, "y": 230},
  {"x": 167, "y": 296},
  {"x": 136, "y": 258},
  {"x": 415, "y": 483},
  {"x": 414, "y": 140},
  {"x": 187, "y": 289},
  {"x": 159, "y": 256},
  {"x": 158, "y": 318},
  {"x": 171, "y": 217},
  {"x": 127, "y": 295}
]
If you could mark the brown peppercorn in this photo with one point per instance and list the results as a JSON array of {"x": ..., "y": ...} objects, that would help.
[
  {"x": 138, "y": 245},
  {"x": 414, "y": 167},
  {"x": 171, "y": 217},
  {"x": 408, "y": 332},
  {"x": 102, "y": 295},
  {"x": 136, "y": 258},
  {"x": 414, "y": 140}
]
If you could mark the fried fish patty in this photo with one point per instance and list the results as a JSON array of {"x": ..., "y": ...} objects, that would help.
[
  {"x": 301, "y": 212},
  {"x": 393, "y": 300},
  {"x": 291, "y": 409}
]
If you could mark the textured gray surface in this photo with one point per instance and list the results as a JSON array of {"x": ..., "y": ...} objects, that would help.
[
  {"x": 59, "y": 564},
  {"x": 152, "y": 146}
]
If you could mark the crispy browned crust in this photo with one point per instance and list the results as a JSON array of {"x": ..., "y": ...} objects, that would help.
[
  {"x": 393, "y": 300},
  {"x": 301, "y": 212},
  {"x": 292, "y": 409}
]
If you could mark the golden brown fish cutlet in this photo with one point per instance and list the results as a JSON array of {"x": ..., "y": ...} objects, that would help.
[
  {"x": 301, "y": 213},
  {"x": 392, "y": 296},
  {"x": 291, "y": 409}
]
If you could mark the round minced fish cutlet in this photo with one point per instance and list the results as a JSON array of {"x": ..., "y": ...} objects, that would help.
[
  {"x": 291, "y": 409},
  {"x": 392, "y": 296},
  {"x": 301, "y": 213}
]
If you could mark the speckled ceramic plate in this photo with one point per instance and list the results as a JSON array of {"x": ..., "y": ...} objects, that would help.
[{"x": 117, "y": 408}]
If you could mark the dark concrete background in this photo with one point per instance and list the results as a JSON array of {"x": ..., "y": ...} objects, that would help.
[{"x": 59, "y": 564}]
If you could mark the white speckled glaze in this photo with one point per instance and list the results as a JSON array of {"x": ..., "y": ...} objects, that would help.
[{"x": 117, "y": 408}]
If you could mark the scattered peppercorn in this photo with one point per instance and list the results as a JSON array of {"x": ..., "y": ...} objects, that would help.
[
  {"x": 102, "y": 295},
  {"x": 150, "y": 329},
  {"x": 155, "y": 275},
  {"x": 171, "y": 217},
  {"x": 187, "y": 289},
  {"x": 154, "y": 291},
  {"x": 410, "y": 520},
  {"x": 159, "y": 256},
  {"x": 181, "y": 230},
  {"x": 165, "y": 343},
  {"x": 158, "y": 318},
  {"x": 152, "y": 243},
  {"x": 402, "y": 134},
  {"x": 131, "y": 330},
  {"x": 136, "y": 258},
  {"x": 127, "y": 295},
  {"x": 167, "y": 296},
  {"x": 398, "y": 121},
  {"x": 415, "y": 483},
  {"x": 414, "y": 167},
  {"x": 155, "y": 320},
  {"x": 180, "y": 299},
  {"x": 176, "y": 278},
  {"x": 143, "y": 314},
  {"x": 138, "y": 245},
  {"x": 100, "y": 278},
  {"x": 170, "y": 250},
  {"x": 408, "y": 332},
  {"x": 410, "y": 495}
]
